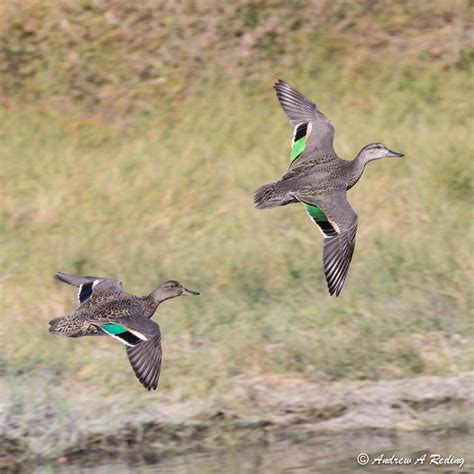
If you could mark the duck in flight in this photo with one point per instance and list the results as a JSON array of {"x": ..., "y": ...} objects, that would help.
[
  {"x": 319, "y": 179},
  {"x": 105, "y": 309}
]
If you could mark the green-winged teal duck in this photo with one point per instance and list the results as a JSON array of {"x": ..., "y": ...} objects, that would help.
[
  {"x": 105, "y": 309},
  {"x": 319, "y": 179}
]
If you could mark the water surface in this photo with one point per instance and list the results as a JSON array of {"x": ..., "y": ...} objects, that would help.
[{"x": 300, "y": 458}]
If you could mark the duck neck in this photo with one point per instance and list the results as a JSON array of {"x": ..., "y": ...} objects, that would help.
[
  {"x": 149, "y": 305},
  {"x": 357, "y": 168}
]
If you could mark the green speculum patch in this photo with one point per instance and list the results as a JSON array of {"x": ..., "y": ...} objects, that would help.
[
  {"x": 114, "y": 328},
  {"x": 313, "y": 211},
  {"x": 297, "y": 148}
]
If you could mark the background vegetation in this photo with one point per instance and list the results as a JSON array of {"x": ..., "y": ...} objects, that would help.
[{"x": 132, "y": 140}]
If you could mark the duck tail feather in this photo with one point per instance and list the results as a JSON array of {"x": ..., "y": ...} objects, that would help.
[
  {"x": 269, "y": 195},
  {"x": 62, "y": 326}
]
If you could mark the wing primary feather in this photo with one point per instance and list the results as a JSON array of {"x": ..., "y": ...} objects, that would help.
[{"x": 145, "y": 359}]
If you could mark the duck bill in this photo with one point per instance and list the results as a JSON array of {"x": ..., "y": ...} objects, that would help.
[
  {"x": 395, "y": 154},
  {"x": 187, "y": 292}
]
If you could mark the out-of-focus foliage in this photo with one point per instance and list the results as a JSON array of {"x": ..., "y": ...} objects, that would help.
[{"x": 117, "y": 54}]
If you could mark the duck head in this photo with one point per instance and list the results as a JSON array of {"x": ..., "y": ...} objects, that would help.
[
  {"x": 374, "y": 151},
  {"x": 171, "y": 289}
]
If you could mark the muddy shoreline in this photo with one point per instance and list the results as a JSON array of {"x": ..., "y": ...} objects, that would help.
[{"x": 263, "y": 410}]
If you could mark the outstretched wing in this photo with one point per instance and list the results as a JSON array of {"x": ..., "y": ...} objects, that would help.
[
  {"x": 314, "y": 133},
  {"x": 339, "y": 247},
  {"x": 145, "y": 359},
  {"x": 142, "y": 338},
  {"x": 90, "y": 286}
]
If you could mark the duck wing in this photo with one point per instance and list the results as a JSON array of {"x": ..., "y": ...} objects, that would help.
[
  {"x": 145, "y": 359},
  {"x": 314, "y": 133},
  {"x": 140, "y": 335},
  {"x": 91, "y": 286},
  {"x": 338, "y": 246}
]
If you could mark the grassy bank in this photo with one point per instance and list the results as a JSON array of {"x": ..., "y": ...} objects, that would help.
[
  {"x": 171, "y": 197},
  {"x": 156, "y": 182}
]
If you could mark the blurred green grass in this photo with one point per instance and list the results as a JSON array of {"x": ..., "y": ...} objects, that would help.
[{"x": 170, "y": 196}]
